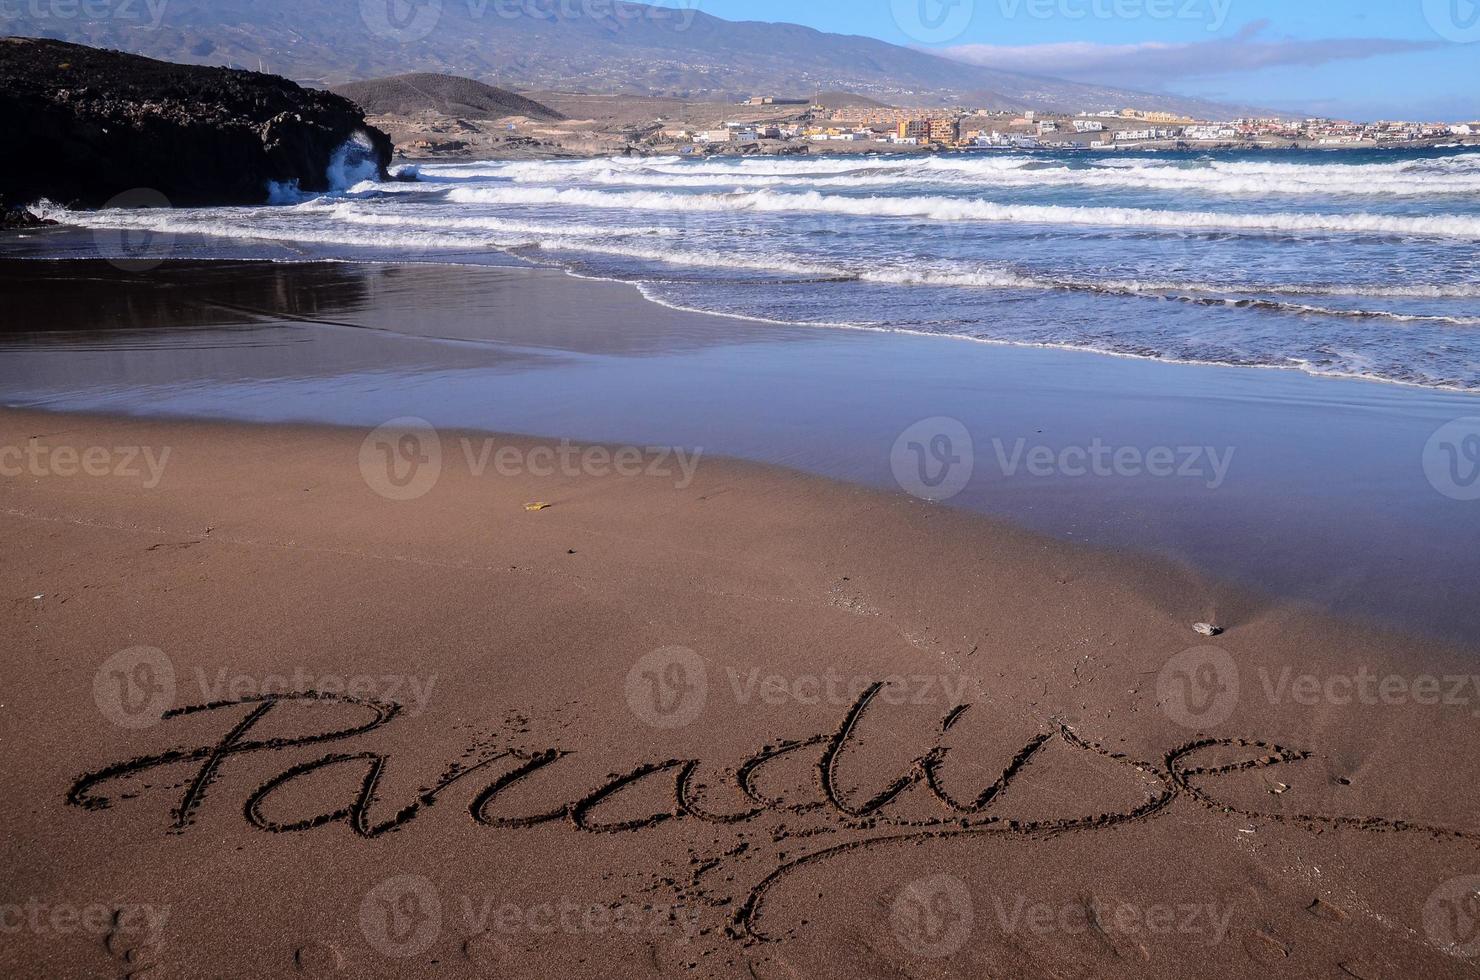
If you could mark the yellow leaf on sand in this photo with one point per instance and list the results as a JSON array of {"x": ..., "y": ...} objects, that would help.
[{"x": 537, "y": 506}]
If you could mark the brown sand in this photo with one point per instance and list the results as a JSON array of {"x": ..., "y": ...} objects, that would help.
[{"x": 560, "y": 791}]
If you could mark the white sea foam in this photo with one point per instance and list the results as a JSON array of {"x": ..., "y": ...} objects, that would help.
[
  {"x": 938, "y": 208},
  {"x": 1439, "y": 177}
]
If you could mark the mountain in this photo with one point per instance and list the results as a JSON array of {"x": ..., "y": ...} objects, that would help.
[
  {"x": 444, "y": 94},
  {"x": 594, "y": 47}
]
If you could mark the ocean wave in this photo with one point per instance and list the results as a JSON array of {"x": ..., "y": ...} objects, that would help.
[
  {"x": 995, "y": 277},
  {"x": 950, "y": 209},
  {"x": 1187, "y": 181},
  {"x": 1438, "y": 177},
  {"x": 1345, "y": 367}
]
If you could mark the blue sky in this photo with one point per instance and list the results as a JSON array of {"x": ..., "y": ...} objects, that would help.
[{"x": 1358, "y": 58}]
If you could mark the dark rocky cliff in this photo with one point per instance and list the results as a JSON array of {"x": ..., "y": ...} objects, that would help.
[{"x": 83, "y": 125}]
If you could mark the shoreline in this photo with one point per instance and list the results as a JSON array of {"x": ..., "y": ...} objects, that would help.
[
  {"x": 643, "y": 289},
  {"x": 1273, "y": 521},
  {"x": 272, "y": 561}
]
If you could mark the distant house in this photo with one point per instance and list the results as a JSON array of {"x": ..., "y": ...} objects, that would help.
[
  {"x": 915, "y": 129},
  {"x": 943, "y": 130}
]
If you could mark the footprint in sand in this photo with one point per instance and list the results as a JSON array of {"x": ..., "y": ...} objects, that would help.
[
  {"x": 317, "y": 959},
  {"x": 1263, "y": 947},
  {"x": 1325, "y": 910},
  {"x": 133, "y": 943}
]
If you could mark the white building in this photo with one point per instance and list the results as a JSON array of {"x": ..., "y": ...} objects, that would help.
[{"x": 1210, "y": 133}]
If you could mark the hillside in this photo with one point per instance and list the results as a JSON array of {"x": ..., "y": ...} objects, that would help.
[
  {"x": 446, "y": 95},
  {"x": 632, "y": 49},
  {"x": 848, "y": 100}
]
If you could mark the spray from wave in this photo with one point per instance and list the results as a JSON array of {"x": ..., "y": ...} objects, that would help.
[{"x": 353, "y": 163}]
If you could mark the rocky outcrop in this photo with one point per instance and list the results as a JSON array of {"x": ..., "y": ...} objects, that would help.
[
  {"x": 83, "y": 125},
  {"x": 19, "y": 218}
]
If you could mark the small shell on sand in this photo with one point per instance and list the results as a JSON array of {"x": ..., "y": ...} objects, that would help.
[{"x": 1206, "y": 629}]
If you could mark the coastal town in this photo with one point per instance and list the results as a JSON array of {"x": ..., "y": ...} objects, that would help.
[{"x": 770, "y": 124}]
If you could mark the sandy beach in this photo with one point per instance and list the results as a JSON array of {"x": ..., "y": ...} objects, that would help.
[
  {"x": 706, "y": 717},
  {"x": 629, "y": 491}
]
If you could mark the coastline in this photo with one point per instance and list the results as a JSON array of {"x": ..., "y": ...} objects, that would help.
[
  {"x": 581, "y": 552},
  {"x": 274, "y": 557}
]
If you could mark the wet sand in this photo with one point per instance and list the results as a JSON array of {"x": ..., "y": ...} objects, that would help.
[
  {"x": 288, "y": 699},
  {"x": 1316, "y": 490}
]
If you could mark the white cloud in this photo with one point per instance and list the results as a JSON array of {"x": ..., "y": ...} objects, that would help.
[{"x": 1157, "y": 63}]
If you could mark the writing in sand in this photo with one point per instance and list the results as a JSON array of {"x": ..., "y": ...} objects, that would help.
[{"x": 833, "y": 821}]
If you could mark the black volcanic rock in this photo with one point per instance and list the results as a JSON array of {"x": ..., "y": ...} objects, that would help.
[
  {"x": 83, "y": 125},
  {"x": 21, "y": 218}
]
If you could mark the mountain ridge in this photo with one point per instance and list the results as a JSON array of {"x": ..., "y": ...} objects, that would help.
[{"x": 644, "y": 51}]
